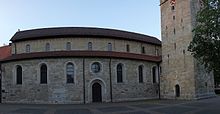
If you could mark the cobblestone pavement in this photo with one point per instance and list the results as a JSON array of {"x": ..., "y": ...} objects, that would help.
[{"x": 205, "y": 106}]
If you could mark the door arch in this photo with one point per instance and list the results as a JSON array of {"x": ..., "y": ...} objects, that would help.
[
  {"x": 96, "y": 92},
  {"x": 177, "y": 90}
]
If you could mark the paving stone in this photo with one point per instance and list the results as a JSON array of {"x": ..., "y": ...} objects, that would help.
[
  {"x": 174, "y": 110},
  {"x": 209, "y": 111},
  {"x": 29, "y": 111},
  {"x": 145, "y": 106},
  {"x": 73, "y": 111},
  {"x": 114, "y": 109},
  {"x": 137, "y": 112},
  {"x": 197, "y": 104}
]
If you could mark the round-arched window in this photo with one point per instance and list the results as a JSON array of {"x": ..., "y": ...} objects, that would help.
[{"x": 96, "y": 67}]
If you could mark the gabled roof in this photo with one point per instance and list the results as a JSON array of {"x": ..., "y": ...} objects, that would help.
[
  {"x": 85, "y": 32},
  {"x": 5, "y": 51}
]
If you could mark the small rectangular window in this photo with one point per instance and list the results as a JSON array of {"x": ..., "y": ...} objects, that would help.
[
  {"x": 127, "y": 48},
  {"x": 68, "y": 46},
  {"x": 143, "y": 50}
]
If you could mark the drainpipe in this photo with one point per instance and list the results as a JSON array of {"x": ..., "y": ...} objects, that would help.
[
  {"x": 110, "y": 77},
  {"x": 84, "y": 89},
  {"x": 158, "y": 70}
]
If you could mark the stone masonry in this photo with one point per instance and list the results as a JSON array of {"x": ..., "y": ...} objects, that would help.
[{"x": 179, "y": 67}]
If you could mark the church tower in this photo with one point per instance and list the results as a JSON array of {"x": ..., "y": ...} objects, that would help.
[{"x": 182, "y": 76}]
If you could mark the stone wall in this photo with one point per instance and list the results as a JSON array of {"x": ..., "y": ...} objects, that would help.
[
  {"x": 57, "y": 91},
  {"x": 99, "y": 44}
]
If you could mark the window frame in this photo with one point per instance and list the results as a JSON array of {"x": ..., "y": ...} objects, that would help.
[
  {"x": 90, "y": 46},
  {"x": 94, "y": 67},
  {"x": 47, "y": 47},
  {"x": 72, "y": 71},
  {"x": 119, "y": 73},
  {"x": 109, "y": 46},
  {"x": 68, "y": 46},
  {"x": 28, "y": 48},
  {"x": 141, "y": 74},
  {"x": 19, "y": 74},
  {"x": 43, "y": 74}
]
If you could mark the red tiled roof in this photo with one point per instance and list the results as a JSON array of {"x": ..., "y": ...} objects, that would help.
[
  {"x": 82, "y": 32},
  {"x": 5, "y": 51},
  {"x": 88, "y": 54}
]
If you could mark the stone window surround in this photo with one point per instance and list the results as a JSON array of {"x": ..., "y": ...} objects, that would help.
[
  {"x": 156, "y": 76},
  {"x": 15, "y": 74},
  {"x": 95, "y": 67},
  {"x": 75, "y": 68},
  {"x": 28, "y": 48},
  {"x": 39, "y": 73},
  {"x": 143, "y": 73},
  {"x": 72, "y": 72},
  {"x": 124, "y": 79},
  {"x": 101, "y": 67}
]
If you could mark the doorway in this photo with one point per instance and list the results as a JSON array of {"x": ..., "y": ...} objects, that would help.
[
  {"x": 177, "y": 90},
  {"x": 96, "y": 92}
]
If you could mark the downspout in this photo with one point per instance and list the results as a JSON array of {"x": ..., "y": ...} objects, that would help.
[
  {"x": 110, "y": 77},
  {"x": 158, "y": 70},
  {"x": 84, "y": 89}
]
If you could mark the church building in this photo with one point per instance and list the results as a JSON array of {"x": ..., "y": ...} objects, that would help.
[{"x": 72, "y": 65}]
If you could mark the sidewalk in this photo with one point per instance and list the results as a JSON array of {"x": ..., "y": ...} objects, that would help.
[{"x": 206, "y": 106}]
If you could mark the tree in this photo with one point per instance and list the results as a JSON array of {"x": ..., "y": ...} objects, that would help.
[{"x": 205, "y": 46}]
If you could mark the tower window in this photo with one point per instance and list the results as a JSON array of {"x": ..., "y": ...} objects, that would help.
[
  {"x": 174, "y": 17},
  {"x": 174, "y": 31},
  {"x": 172, "y": 8},
  {"x": 175, "y": 46}
]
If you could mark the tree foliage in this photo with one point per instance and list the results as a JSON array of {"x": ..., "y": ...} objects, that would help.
[{"x": 205, "y": 45}]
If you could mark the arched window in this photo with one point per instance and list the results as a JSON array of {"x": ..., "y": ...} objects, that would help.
[
  {"x": 70, "y": 73},
  {"x": 43, "y": 74},
  {"x": 127, "y": 48},
  {"x": 109, "y": 46},
  {"x": 28, "y": 48},
  {"x": 68, "y": 46},
  {"x": 143, "y": 50},
  {"x": 140, "y": 72},
  {"x": 177, "y": 90},
  {"x": 154, "y": 73},
  {"x": 47, "y": 47},
  {"x": 119, "y": 73},
  {"x": 18, "y": 74},
  {"x": 90, "y": 46}
]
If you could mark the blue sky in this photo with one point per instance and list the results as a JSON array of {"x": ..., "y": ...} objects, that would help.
[{"x": 141, "y": 16}]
